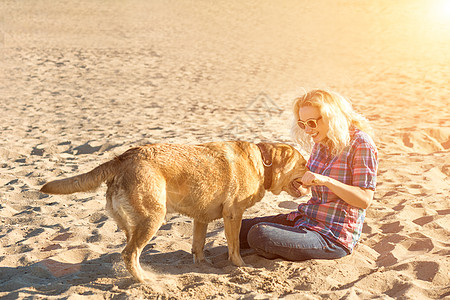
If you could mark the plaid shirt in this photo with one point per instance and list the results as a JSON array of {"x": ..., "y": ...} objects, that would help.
[{"x": 325, "y": 212}]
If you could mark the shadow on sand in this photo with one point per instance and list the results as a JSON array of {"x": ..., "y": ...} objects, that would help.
[{"x": 49, "y": 277}]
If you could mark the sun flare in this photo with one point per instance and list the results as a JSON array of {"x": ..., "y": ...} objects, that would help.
[{"x": 440, "y": 11}]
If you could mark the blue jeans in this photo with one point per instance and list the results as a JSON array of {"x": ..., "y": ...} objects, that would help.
[{"x": 275, "y": 237}]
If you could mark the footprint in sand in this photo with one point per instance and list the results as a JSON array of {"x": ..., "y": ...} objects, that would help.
[
  {"x": 424, "y": 220},
  {"x": 418, "y": 242},
  {"x": 423, "y": 270},
  {"x": 393, "y": 227},
  {"x": 87, "y": 148},
  {"x": 426, "y": 140},
  {"x": 446, "y": 170}
]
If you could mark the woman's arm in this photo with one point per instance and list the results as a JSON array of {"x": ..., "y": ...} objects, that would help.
[{"x": 353, "y": 195}]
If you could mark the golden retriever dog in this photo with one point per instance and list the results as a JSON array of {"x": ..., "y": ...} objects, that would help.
[{"x": 205, "y": 182}]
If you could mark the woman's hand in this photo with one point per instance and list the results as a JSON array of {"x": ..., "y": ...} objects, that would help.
[
  {"x": 310, "y": 178},
  {"x": 300, "y": 188},
  {"x": 353, "y": 195}
]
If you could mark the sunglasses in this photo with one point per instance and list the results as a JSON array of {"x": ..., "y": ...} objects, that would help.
[{"x": 311, "y": 123}]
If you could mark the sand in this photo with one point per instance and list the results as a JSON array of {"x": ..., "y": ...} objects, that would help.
[{"x": 82, "y": 81}]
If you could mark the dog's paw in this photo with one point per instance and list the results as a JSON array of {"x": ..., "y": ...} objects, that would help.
[
  {"x": 237, "y": 261},
  {"x": 198, "y": 258},
  {"x": 205, "y": 262}
]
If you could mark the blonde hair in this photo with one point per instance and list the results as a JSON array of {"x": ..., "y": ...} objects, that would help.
[{"x": 337, "y": 111}]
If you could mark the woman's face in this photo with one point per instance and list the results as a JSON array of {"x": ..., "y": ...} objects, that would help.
[{"x": 313, "y": 123}]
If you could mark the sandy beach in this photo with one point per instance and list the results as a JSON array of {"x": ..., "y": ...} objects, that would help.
[{"x": 83, "y": 81}]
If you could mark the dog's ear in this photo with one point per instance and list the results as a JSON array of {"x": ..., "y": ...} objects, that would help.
[
  {"x": 267, "y": 152},
  {"x": 279, "y": 156},
  {"x": 275, "y": 154}
]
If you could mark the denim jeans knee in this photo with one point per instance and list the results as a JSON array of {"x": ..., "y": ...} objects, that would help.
[{"x": 275, "y": 240}]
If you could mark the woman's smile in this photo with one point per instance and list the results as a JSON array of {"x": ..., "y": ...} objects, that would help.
[{"x": 312, "y": 122}]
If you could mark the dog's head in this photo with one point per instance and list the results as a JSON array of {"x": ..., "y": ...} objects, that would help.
[{"x": 287, "y": 167}]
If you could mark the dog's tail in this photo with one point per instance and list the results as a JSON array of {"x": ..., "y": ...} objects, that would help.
[{"x": 82, "y": 183}]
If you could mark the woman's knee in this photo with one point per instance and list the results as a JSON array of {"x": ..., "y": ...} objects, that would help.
[
  {"x": 257, "y": 236},
  {"x": 295, "y": 244}
]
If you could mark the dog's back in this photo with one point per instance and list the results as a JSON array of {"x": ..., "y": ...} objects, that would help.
[{"x": 197, "y": 179}]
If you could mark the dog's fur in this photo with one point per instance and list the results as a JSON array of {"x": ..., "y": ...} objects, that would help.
[{"x": 205, "y": 182}]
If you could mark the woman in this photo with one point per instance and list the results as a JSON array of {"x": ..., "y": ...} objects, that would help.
[{"x": 341, "y": 177}]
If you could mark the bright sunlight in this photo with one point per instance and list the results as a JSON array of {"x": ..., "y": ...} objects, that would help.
[{"x": 440, "y": 11}]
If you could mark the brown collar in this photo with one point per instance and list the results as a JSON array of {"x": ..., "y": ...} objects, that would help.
[{"x": 267, "y": 162}]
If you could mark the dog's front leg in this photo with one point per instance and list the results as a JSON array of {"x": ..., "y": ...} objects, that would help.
[
  {"x": 198, "y": 240},
  {"x": 232, "y": 223}
]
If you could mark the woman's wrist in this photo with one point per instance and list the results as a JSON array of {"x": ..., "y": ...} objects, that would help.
[{"x": 326, "y": 181}]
